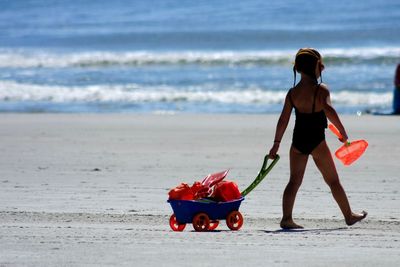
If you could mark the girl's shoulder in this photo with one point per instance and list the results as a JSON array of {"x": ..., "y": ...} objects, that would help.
[
  {"x": 323, "y": 94},
  {"x": 324, "y": 89}
]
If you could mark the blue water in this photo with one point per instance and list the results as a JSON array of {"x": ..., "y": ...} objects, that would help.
[{"x": 191, "y": 56}]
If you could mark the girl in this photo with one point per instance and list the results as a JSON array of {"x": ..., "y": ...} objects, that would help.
[{"x": 312, "y": 105}]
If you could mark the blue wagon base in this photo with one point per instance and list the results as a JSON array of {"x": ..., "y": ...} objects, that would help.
[{"x": 205, "y": 214}]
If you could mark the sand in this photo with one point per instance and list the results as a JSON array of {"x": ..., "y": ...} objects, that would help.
[{"x": 91, "y": 190}]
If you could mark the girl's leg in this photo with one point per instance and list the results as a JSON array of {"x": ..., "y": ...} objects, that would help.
[
  {"x": 324, "y": 161},
  {"x": 298, "y": 162}
]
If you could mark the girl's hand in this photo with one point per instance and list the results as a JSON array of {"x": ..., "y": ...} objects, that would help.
[
  {"x": 344, "y": 138},
  {"x": 274, "y": 150}
]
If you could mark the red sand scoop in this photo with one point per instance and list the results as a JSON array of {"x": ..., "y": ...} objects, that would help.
[{"x": 351, "y": 151}]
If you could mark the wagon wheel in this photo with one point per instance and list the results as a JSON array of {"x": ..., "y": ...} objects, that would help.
[
  {"x": 234, "y": 220},
  {"x": 213, "y": 225},
  {"x": 175, "y": 225},
  {"x": 201, "y": 222}
]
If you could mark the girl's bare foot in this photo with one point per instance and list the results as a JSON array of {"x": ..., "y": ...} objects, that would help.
[
  {"x": 356, "y": 217},
  {"x": 290, "y": 224}
]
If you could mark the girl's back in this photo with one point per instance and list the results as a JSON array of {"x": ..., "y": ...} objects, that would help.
[{"x": 303, "y": 97}]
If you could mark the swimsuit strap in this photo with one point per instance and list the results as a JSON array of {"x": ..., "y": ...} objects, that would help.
[{"x": 315, "y": 96}]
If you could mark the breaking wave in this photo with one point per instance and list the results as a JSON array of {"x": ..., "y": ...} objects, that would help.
[
  {"x": 37, "y": 59},
  {"x": 133, "y": 93}
]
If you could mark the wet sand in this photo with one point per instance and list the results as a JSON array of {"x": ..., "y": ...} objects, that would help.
[{"x": 92, "y": 190}]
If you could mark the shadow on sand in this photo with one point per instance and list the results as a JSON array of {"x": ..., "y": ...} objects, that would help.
[{"x": 313, "y": 231}]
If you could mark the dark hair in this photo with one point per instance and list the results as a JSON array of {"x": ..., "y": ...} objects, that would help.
[{"x": 306, "y": 62}]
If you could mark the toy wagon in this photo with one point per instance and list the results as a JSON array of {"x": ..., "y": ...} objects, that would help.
[{"x": 205, "y": 214}]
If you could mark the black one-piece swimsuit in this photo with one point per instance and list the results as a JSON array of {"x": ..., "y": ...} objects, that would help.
[{"x": 309, "y": 128}]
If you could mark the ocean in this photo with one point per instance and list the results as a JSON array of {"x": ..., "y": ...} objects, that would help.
[{"x": 180, "y": 56}]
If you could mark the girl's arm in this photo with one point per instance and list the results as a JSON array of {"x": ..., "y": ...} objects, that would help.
[
  {"x": 281, "y": 126},
  {"x": 331, "y": 113}
]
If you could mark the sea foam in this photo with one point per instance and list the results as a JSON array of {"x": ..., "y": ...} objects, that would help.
[
  {"x": 134, "y": 93},
  {"x": 38, "y": 59}
]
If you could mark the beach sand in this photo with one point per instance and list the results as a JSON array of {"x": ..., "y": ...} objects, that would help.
[{"x": 92, "y": 189}]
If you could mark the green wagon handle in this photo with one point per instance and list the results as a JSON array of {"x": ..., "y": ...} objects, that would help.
[{"x": 261, "y": 175}]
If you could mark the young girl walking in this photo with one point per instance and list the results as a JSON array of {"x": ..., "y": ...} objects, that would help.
[{"x": 311, "y": 102}]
